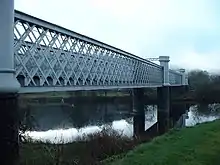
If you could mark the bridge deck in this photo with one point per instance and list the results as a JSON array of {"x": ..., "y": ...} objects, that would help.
[{"x": 82, "y": 88}]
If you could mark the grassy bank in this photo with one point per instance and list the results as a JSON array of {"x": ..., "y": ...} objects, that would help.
[{"x": 199, "y": 145}]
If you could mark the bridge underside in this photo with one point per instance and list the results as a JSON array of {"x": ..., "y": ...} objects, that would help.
[{"x": 82, "y": 88}]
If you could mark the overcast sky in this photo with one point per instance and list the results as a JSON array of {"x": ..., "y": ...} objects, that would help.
[{"x": 186, "y": 30}]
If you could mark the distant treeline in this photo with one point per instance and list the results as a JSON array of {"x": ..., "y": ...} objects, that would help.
[{"x": 204, "y": 86}]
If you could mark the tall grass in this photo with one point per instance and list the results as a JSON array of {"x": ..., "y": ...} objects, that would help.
[{"x": 87, "y": 150}]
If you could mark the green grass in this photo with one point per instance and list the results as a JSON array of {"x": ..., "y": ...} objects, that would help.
[{"x": 199, "y": 145}]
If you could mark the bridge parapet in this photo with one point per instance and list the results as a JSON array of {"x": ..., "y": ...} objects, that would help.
[
  {"x": 184, "y": 77},
  {"x": 175, "y": 78},
  {"x": 171, "y": 77}
]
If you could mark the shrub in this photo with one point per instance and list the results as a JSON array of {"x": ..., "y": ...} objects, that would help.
[{"x": 87, "y": 150}]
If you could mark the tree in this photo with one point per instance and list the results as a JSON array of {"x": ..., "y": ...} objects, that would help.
[{"x": 206, "y": 87}]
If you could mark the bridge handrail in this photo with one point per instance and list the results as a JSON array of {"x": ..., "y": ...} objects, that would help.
[
  {"x": 42, "y": 23},
  {"x": 175, "y": 72}
]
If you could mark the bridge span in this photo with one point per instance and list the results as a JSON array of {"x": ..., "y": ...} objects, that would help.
[
  {"x": 38, "y": 56},
  {"x": 48, "y": 57}
]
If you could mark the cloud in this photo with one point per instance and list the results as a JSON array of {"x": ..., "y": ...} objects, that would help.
[
  {"x": 186, "y": 30},
  {"x": 190, "y": 59},
  {"x": 168, "y": 13}
]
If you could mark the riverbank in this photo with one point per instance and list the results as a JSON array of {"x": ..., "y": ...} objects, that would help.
[
  {"x": 198, "y": 145},
  {"x": 87, "y": 150},
  {"x": 97, "y": 147}
]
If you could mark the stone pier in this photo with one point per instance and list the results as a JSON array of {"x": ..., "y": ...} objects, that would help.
[
  {"x": 163, "y": 109},
  {"x": 177, "y": 109},
  {"x": 139, "y": 117},
  {"x": 169, "y": 113}
]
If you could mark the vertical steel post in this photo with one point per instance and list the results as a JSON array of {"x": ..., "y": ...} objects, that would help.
[
  {"x": 9, "y": 87},
  {"x": 183, "y": 76},
  {"x": 164, "y": 61}
]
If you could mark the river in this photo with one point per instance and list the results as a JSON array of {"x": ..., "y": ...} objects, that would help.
[{"x": 67, "y": 122}]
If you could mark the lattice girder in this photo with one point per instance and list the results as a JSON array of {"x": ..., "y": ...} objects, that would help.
[{"x": 48, "y": 55}]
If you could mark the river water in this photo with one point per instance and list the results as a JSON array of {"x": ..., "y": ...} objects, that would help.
[{"x": 67, "y": 122}]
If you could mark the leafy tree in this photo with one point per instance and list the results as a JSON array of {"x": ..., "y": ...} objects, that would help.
[
  {"x": 206, "y": 86},
  {"x": 198, "y": 78}
]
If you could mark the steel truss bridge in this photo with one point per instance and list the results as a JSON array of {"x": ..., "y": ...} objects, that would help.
[{"x": 48, "y": 57}]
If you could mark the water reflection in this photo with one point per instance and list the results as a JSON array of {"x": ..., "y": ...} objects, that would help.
[
  {"x": 123, "y": 126},
  {"x": 54, "y": 116},
  {"x": 202, "y": 116},
  {"x": 65, "y": 123}
]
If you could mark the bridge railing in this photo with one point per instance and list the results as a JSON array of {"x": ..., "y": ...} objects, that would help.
[
  {"x": 175, "y": 78},
  {"x": 47, "y": 55}
]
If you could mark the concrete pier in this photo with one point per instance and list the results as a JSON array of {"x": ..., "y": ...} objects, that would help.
[
  {"x": 163, "y": 109},
  {"x": 177, "y": 109},
  {"x": 170, "y": 113},
  {"x": 139, "y": 117},
  {"x": 9, "y": 122}
]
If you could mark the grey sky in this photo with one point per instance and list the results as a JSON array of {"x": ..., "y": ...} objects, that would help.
[{"x": 186, "y": 30}]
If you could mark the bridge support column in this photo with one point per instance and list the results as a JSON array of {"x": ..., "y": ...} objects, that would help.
[
  {"x": 139, "y": 117},
  {"x": 9, "y": 87},
  {"x": 163, "y": 109},
  {"x": 164, "y": 62},
  {"x": 184, "y": 81},
  {"x": 178, "y": 114},
  {"x": 178, "y": 109}
]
